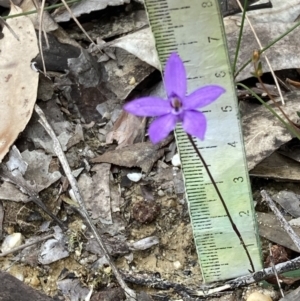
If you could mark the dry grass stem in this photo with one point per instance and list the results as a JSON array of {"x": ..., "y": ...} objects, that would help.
[
  {"x": 4, "y": 23},
  {"x": 76, "y": 21},
  {"x": 40, "y": 12},
  {"x": 260, "y": 47},
  {"x": 275, "y": 272}
]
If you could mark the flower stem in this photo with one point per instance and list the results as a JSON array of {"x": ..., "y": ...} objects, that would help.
[{"x": 233, "y": 225}]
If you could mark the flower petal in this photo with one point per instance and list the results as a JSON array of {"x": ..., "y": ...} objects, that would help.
[
  {"x": 194, "y": 123},
  {"x": 202, "y": 97},
  {"x": 148, "y": 106},
  {"x": 161, "y": 127},
  {"x": 175, "y": 76}
]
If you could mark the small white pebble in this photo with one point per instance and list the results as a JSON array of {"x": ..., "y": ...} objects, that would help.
[
  {"x": 176, "y": 160},
  {"x": 160, "y": 193},
  {"x": 177, "y": 265},
  {"x": 132, "y": 81},
  {"x": 11, "y": 241},
  {"x": 107, "y": 115},
  {"x": 256, "y": 296},
  {"x": 134, "y": 176},
  {"x": 18, "y": 274}
]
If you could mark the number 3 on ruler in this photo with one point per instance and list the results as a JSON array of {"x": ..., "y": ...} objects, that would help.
[{"x": 238, "y": 180}]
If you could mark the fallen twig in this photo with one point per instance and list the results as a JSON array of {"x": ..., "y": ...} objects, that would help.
[
  {"x": 130, "y": 294},
  {"x": 26, "y": 245},
  {"x": 295, "y": 238},
  {"x": 33, "y": 194},
  {"x": 216, "y": 288},
  {"x": 77, "y": 22},
  {"x": 275, "y": 272}
]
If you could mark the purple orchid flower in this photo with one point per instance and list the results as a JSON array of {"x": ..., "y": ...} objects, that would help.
[{"x": 179, "y": 107}]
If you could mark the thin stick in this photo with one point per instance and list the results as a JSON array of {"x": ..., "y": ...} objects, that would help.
[
  {"x": 4, "y": 23},
  {"x": 130, "y": 294},
  {"x": 50, "y": 7},
  {"x": 40, "y": 10},
  {"x": 214, "y": 288},
  {"x": 76, "y": 21},
  {"x": 270, "y": 96},
  {"x": 26, "y": 245},
  {"x": 286, "y": 124},
  {"x": 260, "y": 47},
  {"x": 20, "y": 182},
  {"x": 287, "y": 227},
  {"x": 274, "y": 270},
  {"x": 268, "y": 46},
  {"x": 233, "y": 225}
]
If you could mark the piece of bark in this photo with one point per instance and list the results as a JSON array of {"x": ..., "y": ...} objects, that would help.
[
  {"x": 289, "y": 201},
  {"x": 142, "y": 155},
  {"x": 114, "y": 294},
  {"x": 269, "y": 227},
  {"x": 12, "y": 289},
  {"x": 277, "y": 166},
  {"x": 280, "y": 218},
  {"x": 264, "y": 133}
]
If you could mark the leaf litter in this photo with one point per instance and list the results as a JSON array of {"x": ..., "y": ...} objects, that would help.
[
  {"x": 144, "y": 223},
  {"x": 19, "y": 89}
]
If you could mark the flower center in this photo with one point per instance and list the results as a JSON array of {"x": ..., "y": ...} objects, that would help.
[{"x": 176, "y": 105}]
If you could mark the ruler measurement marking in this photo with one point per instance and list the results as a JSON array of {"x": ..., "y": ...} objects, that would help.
[{"x": 173, "y": 23}]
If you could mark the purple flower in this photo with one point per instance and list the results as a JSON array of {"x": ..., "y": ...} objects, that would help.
[{"x": 179, "y": 107}]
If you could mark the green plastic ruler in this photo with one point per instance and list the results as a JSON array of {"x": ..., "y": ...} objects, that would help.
[{"x": 194, "y": 29}]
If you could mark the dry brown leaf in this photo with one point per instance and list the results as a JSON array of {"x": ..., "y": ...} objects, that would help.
[
  {"x": 96, "y": 193},
  {"x": 281, "y": 56},
  {"x": 48, "y": 23},
  {"x": 277, "y": 166},
  {"x": 141, "y": 44},
  {"x": 264, "y": 133},
  {"x": 18, "y": 81},
  {"x": 126, "y": 129},
  {"x": 142, "y": 155},
  {"x": 85, "y": 7},
  {"x": 270, "y": 228}
]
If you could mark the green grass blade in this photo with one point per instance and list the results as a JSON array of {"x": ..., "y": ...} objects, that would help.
[
  {"x": 35, "y": 11},
  {"x": 286, "y": 124},
  {"x": 268, "y": 46},
  {"x": 239, "y": 38}
]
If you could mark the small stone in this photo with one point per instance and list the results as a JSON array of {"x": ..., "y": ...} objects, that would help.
[
  {"x": 134, "y": 176},
  {"x": 107, "y": 115},
  {"x": 132, "y": 81},
  {"x": 176, "y": 160},
  {"x": 160, "y": 193},
  {"x": 11, "y": 241},
  {"x": 177, "y": 265},
  {"x": 256, "y": 296}
]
